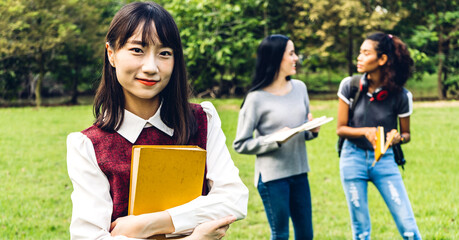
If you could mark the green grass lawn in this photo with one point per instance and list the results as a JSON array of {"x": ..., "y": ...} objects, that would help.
[{"x": 35, "y": 188}]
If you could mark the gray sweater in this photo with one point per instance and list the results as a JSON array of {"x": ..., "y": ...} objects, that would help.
[{"x": 264, "y": 113}]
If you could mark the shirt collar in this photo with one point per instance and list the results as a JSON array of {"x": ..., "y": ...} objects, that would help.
[{"x": 132, "y": 125}]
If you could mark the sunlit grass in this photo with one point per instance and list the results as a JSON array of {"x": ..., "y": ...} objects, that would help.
[{"x": 35, "y": 188}]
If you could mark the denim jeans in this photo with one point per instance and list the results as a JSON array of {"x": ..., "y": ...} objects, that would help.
[
  {"x": 285, "y": 198},
  {"x": 356, "y": 171}
]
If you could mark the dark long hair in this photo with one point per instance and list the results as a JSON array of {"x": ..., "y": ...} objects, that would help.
[
  {"x": 269, "y": 57},
  {"x": 109, "y": 101},
  {"x": 399, "y": 66}
]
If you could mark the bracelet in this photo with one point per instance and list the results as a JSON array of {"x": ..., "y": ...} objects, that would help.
[{"x": 402, "y": 139}]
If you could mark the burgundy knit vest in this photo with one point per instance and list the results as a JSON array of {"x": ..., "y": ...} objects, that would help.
[{"x": 113, "y": 153}]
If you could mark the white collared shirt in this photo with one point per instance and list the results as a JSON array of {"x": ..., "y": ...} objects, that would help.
[{"x": 92, "y": 203}]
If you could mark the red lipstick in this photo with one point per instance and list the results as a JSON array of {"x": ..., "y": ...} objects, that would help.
[{"x": 147, "y": 82}]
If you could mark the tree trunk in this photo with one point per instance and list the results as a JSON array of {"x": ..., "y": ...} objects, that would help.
[
  {"x": 220, "y": 84},
  {"x": 446, "y": 69},
  {"x": 440, "y": 56},
  {"x": 74, "y": 99},
  {"x": 265, "y": 17},
  {"x": 41, "y": 76},
  {"x": 440, "y": 65},
  {"x": 38, "y": 89},
  {"x": 232, "y": 90},
  {"x": 445, "y": 77},
  {"x": 350, "y": 50}
]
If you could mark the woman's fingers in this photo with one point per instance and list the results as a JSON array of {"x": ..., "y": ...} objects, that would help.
[
  {"x": 224, "y": 222},
  {"x": 113, "y": 224},
  {"x": 211, "y": 230}
]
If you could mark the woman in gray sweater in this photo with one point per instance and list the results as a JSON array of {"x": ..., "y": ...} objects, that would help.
[{"x": 273, "y": 104}]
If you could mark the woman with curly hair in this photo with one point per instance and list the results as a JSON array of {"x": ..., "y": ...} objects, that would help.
[{"x": 386, "y": 65}]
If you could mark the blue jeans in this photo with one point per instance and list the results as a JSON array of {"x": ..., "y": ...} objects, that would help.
[
  {"x": 356, "y": 171},
  {"x": 285, "y": 198}
]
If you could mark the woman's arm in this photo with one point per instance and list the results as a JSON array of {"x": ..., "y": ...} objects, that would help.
[
  {"x": 133, "y": 226},
  {"x": 227, "y": 195},
  {"x": 92, "y": 204},
  {"x": 404, "y": 111},
  {"x": 404, "y": 136},
  {"x": 143, "y": 226},
  {"x": 245, "y": 142},
  {"x": 313, "y": 133},
  {"x": 343, "y": 130}
]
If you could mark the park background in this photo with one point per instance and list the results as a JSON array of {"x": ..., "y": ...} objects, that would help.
[{"x": 50, "y": 62}]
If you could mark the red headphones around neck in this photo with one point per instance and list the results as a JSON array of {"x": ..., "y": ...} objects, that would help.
[{"x": 380, "y": 94}]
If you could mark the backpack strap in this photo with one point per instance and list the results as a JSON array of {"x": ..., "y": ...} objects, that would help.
[{"x": 355, "y": 94}]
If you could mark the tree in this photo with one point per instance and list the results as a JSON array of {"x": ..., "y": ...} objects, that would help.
[
  {"x": 33, "y": 29},
  {"x": 80, "y": 58},
  {"x": 58, "y": 36},
  {"x": 330, "y": 29},
  {"x": 437, "y": 33},
  {"x": 219, "y": 40},
  {"x": 15, "y": 78}
]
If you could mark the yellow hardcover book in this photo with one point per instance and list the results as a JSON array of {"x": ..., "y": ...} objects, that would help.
[
  {"x": 381, "y": 143},
  {"x": 164, "y": 176}
]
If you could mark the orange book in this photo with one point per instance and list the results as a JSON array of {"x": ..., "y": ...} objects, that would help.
[
  {"x": 381, "y": 143},
  {"x": 164, "y": 176}
]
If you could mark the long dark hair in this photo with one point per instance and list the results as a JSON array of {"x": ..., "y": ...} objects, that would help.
[
  {"x": 109, "y": 101},
  {"x": 399, "y": 66},
  {"x": 269, "y": 57}
]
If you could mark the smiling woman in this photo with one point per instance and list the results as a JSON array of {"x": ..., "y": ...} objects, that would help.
[
  {"x": 143, "y": 70},
  {"x": 142, "y": 34},
  {"x": 142, "y": 99}
]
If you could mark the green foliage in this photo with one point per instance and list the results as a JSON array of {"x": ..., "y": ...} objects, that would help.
[
  {"x": 60, "y": 43},
  {"x": 35, "y": 201},
  {"x": 332, "y": 29},
  {"x": 32, "y": 29},
  {"x": 219, "y": 39},
  {"x": 78, "y": 61},
  {"x": 49, "y": 36},
  {"x": 422, "y": 63},
  {"x": 14, "y": 77},
  {"x": 436, "y": 34},
  {"x": 452, "y": 66}
]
